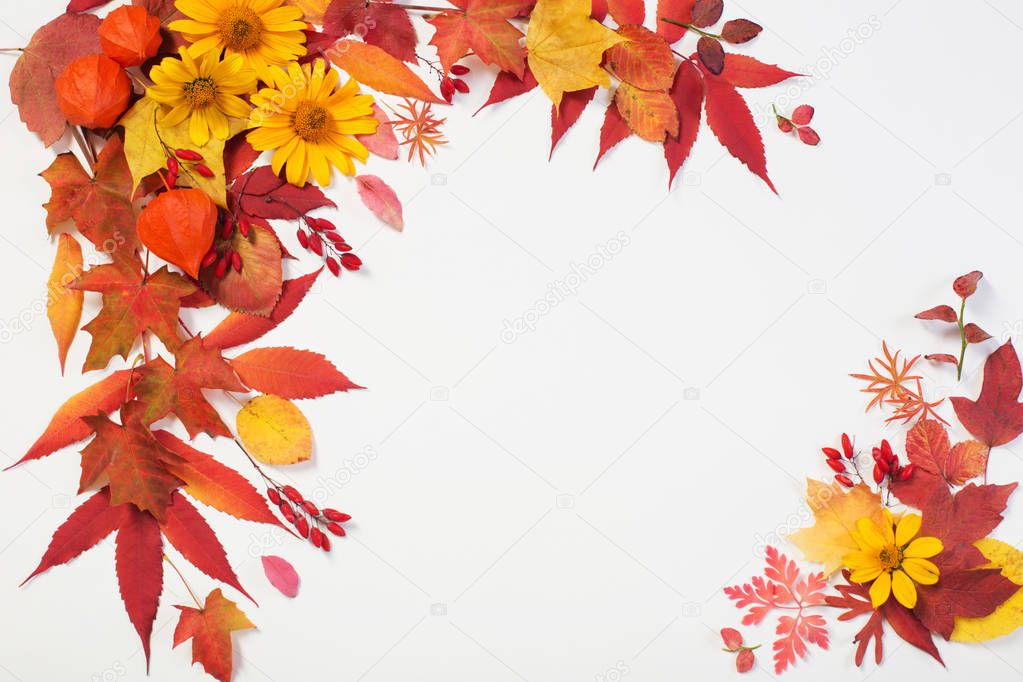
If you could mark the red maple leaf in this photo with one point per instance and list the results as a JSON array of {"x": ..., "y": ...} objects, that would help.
[
  {"x": 996, "y": 416},
  {"x": 481, "y": 28},
  {"x": 210, "y": 630}
]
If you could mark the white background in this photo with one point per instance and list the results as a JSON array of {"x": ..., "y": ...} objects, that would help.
[{"x": 570, "y": 504}]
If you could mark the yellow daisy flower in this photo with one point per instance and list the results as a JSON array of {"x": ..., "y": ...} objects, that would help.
[
  {"x": 204, "y": 91},
  {"x": 262, "y": 32},
  {"x": 310, "y": 122},
  {"x": 891, "y": 558}
]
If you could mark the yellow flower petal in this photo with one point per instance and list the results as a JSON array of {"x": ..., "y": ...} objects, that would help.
[
  {"x": 923, "y": 548},
  {"x": 861, "y": 559},
  {"x": 881, "y": 589},
  {"x": 921, "y": 570},
  {"x": 903, "y": 589},
  {"x": 888, "y": 528},
  {"x": 866, "y": 574},
  {"x": 909, "y": 526},
  {"x": 869, "y": 535}
]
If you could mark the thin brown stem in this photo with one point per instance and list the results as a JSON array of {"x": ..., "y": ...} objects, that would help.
[
  {"x": 84, "y": 146},
  {"x": 184, "y": 582}
]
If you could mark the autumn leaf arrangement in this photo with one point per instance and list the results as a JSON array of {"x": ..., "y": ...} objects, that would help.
[{"x": 903, "y": 536}]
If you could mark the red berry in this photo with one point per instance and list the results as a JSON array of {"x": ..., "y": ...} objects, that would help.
[
  {"x": 172, "y": 165},
  {"x": 302, "y": 526},
  {"x": 325, "y": 542},
  {"x": 172, "y": 179},
  {"x": 316, "y": 244},
  {"x": 906, "y": 472},
  {"x": 321, "y": 224},
  {"x": 333, "y": 266},
  {"x": 886, "y": 450},
  {"x": 287, "y": 511},
  {"x": 316, "y": 536},
  {"x": 844, "y": 480},
  {"x": 204, "y": 170},
  {"x": 188, "y": 155},
  {"x": 310, "y": 508},
  {"x": 227, "y": 229},
  {"x": 292, "y": 494},
  {"x": 351, "y": 262},
  {"x": 836, "y": 465},
  {"x": 303, "y": 238},
  {"x": 878, "y": 473},
  {"x": 882, "y": 465},
  {"x": 447, "y": 89},
  {"x": 342, "y": 247},
  {"x": 461, "y": 85},
  {"x": 221, "y": 267},
  {"x": 236, "y": 261},
  {"x": 244, "y": 226},
  {"x": 273, "y": 495},
  {"x": 335, "y": 237},
  {"x": 210, "y": 258},
  {"x": 459, "y": 69},
  {"x": 847, "y": 447},
  {"x": 831, "y": 453},
  {"x": 336, "y": 529},
  {"x": 335, "y": 515}
]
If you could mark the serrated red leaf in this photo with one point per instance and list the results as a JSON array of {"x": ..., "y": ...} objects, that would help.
[
  {"x": 214, "y": 484},
  {"x": 961, "y": 593},
  {"x": 383, "y": 24},
  {"x": 995, "y": 417},
  {"x": 732, "y": 123},
  {"x": 210, "y": 630},
  {"x": 481, "y": 28},
  {"x": 290, "y": 373},
  {"x": 68, "y": 426},
  {"x": 928, "y": 447},
  {"x": 942, "y": 313},
  {"x": 508, "y": 85},
  {"x": 746, "y": 72},
  {"x": 239, "y": 328},
  {"x": 680, "y": 11},
  {"x": 139, "y": 563},
  {"x": 87, "y": 525},
  {"x": 613, "y": 131},
  {"x": 687, "y": 93},
  {"x": 564, "y": 117},
  {"x": 626, "y": 12},
  {"x": 189, "y": 533}
]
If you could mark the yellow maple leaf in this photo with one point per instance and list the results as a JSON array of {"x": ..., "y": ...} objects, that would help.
[
  {"x": 836, "y": 512},
  {"x": 312, "y": 9},
  {"x": 1009, "y": 615},
  {"x": 147, "y": 144},
  {"x": 565, "y": 47}
]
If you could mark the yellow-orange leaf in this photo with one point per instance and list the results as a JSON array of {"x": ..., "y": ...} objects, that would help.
[
  {"x": 1008, "y": 616},
  {"x": 210, "y": 630},
  {"x": 376, "y": 69},
  {"x": 313, "y": 10},
  {"x": 650, "y": 113},
  {"x": 64, "y": 307},
  {"x": 565, "y": 46},
  {"x": 275, "y": 431},
  {"x": 836, "y": 512}
]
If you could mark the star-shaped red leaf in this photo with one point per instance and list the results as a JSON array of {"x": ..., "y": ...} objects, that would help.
[
  {"x": 210, "y": 630},
  {"x": 996, "y": 416}
]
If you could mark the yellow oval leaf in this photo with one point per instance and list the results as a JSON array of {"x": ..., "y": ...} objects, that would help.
[
  {"x": 274, "y": 430},
  {"x": 1009, "y": 615},
  {"x": 64, "y": 306}
]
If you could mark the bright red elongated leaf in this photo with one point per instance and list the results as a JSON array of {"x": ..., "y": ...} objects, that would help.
[
  {"x": 139, "y": 562},
  {"x": 263, "y": 194},
  {"x": 942, "y": 313},
  {"x": 508, "y": 85},
  {"x": 747, "y": 72},
  {"x": 281, "y": 575},
  {"x": 239, "y": 156},
  {"x": 380, "y": 198},
  {"x": 385, "y": 25},
  {"x": 210, "y": 630},
  {"x": 189, "y": 533},
  {"x": 975, "y": 334},
  {"x": 966, "y": 285},
  {"x": 214, "y": 484},
  {"x": 178, "y": 390},
  {"x": 613, "y": 131},
  {"x": 732, "y": 123},
  {"x": 687, "y": 93},
  {"x": 481, "y": 28},
  {"x": 68, "y": 425},
  {"x": 84, "y": 5},
  {"x": 677, "y": 10},
  {"x": 290, "y": 373},
  {"x": 47, "y": 54},
  {"x": 627, "y": 11},
  {"x": 995, "y": 417},
  {"x": 91, "y": 522},
  {"x": 907, "y": 626},
  {"x": 239, "y": 328},
  {"x": 643, "y": 60},
  {"x": 565, "y": 116}
]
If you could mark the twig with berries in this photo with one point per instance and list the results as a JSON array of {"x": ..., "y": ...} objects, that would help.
[
  {"x": 320, "y": 236},
  {"x": 886, "y": 469},
  {"x": 799, "y": 122}
]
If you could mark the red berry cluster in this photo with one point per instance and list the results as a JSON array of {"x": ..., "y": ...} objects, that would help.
[
  {"x": 320, "y": 237},
  {"x": 228, "y": 258},
  {"x": 799, "y": 121},
  {"x": 449, "y": 86},
  {"x": 189, "y": 156},
  {"x": 309, "y": 520},
  {"x": 886, "y": 463}
]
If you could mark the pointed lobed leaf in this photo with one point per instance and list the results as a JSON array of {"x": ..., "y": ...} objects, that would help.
[
  {"x": 139, "y": 564},
  {"x": 995, "y": 417},
  {"x": 612, "y": 131},
  {"x": 687, "y": 93},
  {"x": 210, "y": 630},
  {"x": 565, "y": 115},
  {"x": 746, "y": 72},
  {"x": 290, "y": 373},
  {"x": 374, "y": 68},
  {"x": 480, "y": 28},
  {"x": 732, "y": 123},
  {"x": 508, "y": 85},
  {"x": 239, "y": 328}
]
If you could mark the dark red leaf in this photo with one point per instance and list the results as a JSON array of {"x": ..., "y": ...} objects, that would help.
[
  {"x": 965, "y": 285},
  {"x": 808, "y": 136},
  {"x": 961, "y": 593},
  {"x": 908, "y": 627},
  {"x": 139, "y": 562},
  {"x": 943, "y": 313},
  {"x": 995, "y": 417},
  {"x": 687, "y": 93},
  {"x": 739, "y": 31},
  {"x": 239, "y": 328},
  {"x": 732, "y": 123},
  {"x": 239, "y": 156},
  {"x": 387, "y": 26},
  {"x": 711, "y": 54},
  {"x": 707, "y": 12},
  {"x": 262, "y": 194}
]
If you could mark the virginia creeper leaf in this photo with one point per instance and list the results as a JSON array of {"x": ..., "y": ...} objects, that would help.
[
  {"x": 613, "y": 131},
  {"x": 732, "y": 123},
  {"x": 687, "y": 93},
  {"x": 746, "y": 72},
  {"x": 139, "y": 561},
  {"x": 564, "y": 115}
]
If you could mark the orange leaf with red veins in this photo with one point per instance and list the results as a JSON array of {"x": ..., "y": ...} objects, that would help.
[
  {"x": 90, "y": 523},
  {"x": 133, "y": 461},
  {"x": 64, "y": 306},
  {"x": 189, "y": 533},
  {"x": 643, "y": 60},
  {"x": 210, "y": 630},
  {"x": 483, "y": 29},
  {"x": 164, "y": 389},
  {"x": 732, "y": 123},
  {"x": 928, "y": 446},
  {"x": 68, "y": 424},
  {"x": 139, "y": 562},
  {"x": 215, "y": 484},
  {"x": 257, "y": 288},
  {"x": 178, "y": 226},
  {"x": 131, "y": 304},
  {"x": 50, "y": 50},
  {"x": 651, "y": 114},
  {"x": 239, "y": 328},
  {"x": 995, "y": 417},
  {"x": 290, "y": 373},
  {"x": 747, "y": 72},
  {"x": 100, "y": 205},
  {"x": 379, "y": 71},
  {"x": 687, "y": 93}
]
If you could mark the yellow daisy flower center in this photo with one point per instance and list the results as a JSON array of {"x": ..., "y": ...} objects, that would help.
[
  {"x": 310, "y": 121},
  {"x": 890, "y": 557},
  {"x": 240, "y": 28},
  {"x": 201, "y": 92}
]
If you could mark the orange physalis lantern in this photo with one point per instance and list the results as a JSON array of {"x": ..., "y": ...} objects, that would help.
[
  {"x": 130, "y": 35},
  {"x": 178, "y": 226},
  {"x": 93, "y": 91}
]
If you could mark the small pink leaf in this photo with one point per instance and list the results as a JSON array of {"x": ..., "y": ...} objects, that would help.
[
  {"x": 84, "y": 5},
  {"x": 943, "y": 357},
  {"x": 281, "y": 575},
  {"x": 383, "y": 142},
  {"x": 802, "y": 115},
  {"x": 944, "y": 313},
  {"x": 381, "y": 199}
]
